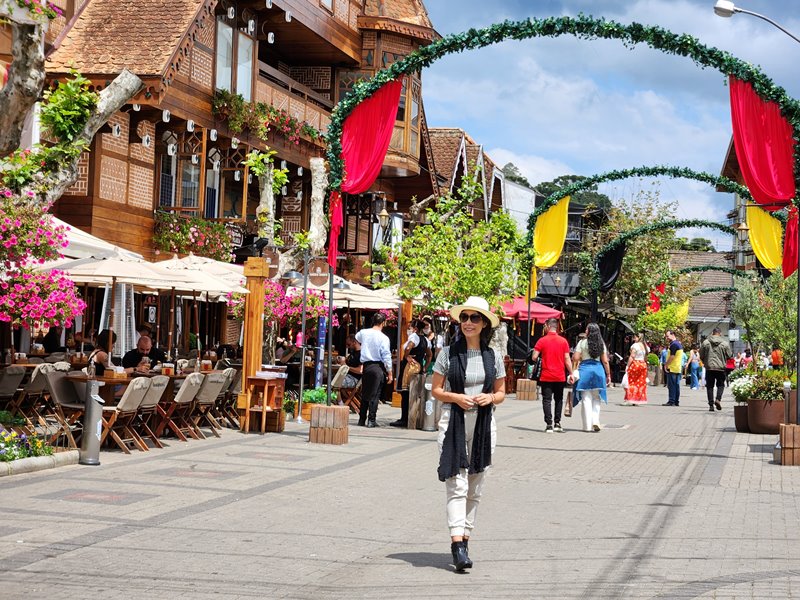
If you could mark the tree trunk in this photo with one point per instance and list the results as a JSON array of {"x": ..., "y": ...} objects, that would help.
[
  {"x": 25, "y": 82},
  {"x": 317, "y": 230},
  {"x": 265, "y": 212}
]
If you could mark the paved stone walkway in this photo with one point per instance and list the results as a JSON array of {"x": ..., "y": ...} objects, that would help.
[{"x": 664, "y": 503}]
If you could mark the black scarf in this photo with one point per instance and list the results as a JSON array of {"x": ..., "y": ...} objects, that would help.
[{"x": 454, "y": 447}]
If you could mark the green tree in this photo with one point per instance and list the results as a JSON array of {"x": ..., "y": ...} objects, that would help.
[
  {"x": 452, "y": 256},
  {"x": 512, "y": 173},
  {"x": 769, "y": 314},
  {"x": 589, "y": 197},
  {"x": 697, "y": 245}
]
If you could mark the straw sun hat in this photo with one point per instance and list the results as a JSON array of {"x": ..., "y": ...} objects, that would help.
[{"x": 477, "y": 304}]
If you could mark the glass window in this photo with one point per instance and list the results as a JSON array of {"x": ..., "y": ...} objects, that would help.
[
  {"x": 167, "y": 187},
  {"x": 212, "y": 194},
  {"x": 327, "y": 4},
  {"x": 190, "y": 184},
  {"x": 401, "y": 108},
  {"x": 414, "y": 112},
  {"x": 224, "y": 56},
  {"x": 244, "y": 67}
]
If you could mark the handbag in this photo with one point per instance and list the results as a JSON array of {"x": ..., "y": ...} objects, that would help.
[
  {"x": 536, "y": 369},
  {"x": 411, "y": 369},
  {"x": 625, "y": 380}
]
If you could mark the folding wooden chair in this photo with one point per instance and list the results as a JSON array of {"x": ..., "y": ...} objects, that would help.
[
  {"x": 143, "y": 423},
  {"x": 176, "y": 413},
  {"x": 118, "y": 420},
  {"x": 351, "y": 397},
  {"x": 10, "y": 380},
  {"x": 27, "y": 403},
  {"x": 338, "y": 379},
  {"x": 227, "y": 408},
  {"x": 68, "y": 407},
  {"x": 205, "y": 400}
]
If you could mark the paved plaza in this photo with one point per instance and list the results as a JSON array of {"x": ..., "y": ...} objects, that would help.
[{"x": 663, "y": 503}]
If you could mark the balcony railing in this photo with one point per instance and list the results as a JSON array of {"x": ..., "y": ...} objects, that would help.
[{"x": 301, "y": 102}]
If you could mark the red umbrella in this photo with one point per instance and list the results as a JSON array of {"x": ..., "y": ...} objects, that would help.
[{"x": 517, "y": 309}]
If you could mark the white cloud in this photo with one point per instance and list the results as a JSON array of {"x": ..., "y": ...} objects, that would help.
[{"x": 535, "y": 168}]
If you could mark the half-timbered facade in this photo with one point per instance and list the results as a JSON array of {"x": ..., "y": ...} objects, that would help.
[{"x": 178, "y": 147}]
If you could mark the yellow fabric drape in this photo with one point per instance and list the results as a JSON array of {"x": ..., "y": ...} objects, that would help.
[
  {"x": 766, "y": 237},
  {"x": 548, "y": 238}
]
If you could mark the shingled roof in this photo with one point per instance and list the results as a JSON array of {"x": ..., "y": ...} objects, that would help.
[
  {"x": 446, "y": 145},
  {"x": 715, "y": 305},
  {"x": 407, "y": 11},
  {"x": 140, "y": 35}
]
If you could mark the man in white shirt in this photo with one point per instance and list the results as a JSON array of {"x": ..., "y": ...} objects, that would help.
[{"x": 376, "y": 361}]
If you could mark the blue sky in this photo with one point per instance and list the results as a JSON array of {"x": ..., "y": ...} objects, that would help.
[{"x": 559, "y": 106}]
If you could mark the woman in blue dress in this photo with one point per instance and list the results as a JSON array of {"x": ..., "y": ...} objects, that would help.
[{"x": 594, "y": 376}]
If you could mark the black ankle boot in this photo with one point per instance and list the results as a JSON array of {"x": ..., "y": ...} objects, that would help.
[
  {"x": 466, "y": 553},
  {"x": 362, "y": 421},
  {"x": 460, "y": 559}
]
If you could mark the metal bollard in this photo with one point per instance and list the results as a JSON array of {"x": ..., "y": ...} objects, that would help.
[
  {"x": 429, "y": 407},
  {"x": 92, "y": 424}
]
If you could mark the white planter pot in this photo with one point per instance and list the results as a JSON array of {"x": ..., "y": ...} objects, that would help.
[{"x": 10, "y": 10}]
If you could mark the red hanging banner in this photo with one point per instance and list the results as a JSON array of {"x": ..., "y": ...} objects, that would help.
[
  {"x": 764, "y": 146},
  {"x": 790, "y": 244},
  {"x": 366, "y": 134}
]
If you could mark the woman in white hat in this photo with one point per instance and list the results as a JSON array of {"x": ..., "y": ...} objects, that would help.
[{"x": 468, "y": 379}]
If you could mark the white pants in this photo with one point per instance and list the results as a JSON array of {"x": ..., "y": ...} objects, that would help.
[
  {"x": 463, "y": 490},
  {"x": 590, "y": 409}
]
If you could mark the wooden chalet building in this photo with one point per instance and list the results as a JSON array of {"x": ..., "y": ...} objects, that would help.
[{"x": 168, "y": 150}]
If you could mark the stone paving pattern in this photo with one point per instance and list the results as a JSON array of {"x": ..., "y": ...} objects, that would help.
[{"x": 664, "y": 503}]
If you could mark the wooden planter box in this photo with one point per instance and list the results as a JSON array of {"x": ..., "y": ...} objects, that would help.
[
  {"x": 790, "y": 444},
  {"x": 526, "y": 389},
  {"x": 329, "y": 424}
]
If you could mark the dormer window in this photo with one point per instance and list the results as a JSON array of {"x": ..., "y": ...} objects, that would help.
[{"x": 235, "y": 51}]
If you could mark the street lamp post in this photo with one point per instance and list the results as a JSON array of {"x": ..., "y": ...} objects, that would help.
[{"x": 726, "y": 8}]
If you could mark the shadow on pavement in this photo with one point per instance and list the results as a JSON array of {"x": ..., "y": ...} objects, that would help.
[{"x": 436, "y": 560}]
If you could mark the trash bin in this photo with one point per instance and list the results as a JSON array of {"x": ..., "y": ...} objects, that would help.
[
  {"x": 429, "y": 407},
  {"x": 92, "y": 424}
]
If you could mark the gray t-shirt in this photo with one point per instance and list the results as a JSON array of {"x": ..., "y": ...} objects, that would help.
[{"x": 473, "y": 384}]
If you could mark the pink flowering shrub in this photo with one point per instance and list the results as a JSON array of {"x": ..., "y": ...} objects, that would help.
[
  {"x": 39, "y": 9},
  {"x": 391, "y": 316},
  {"x": 40, "y": 300},
  {"x": 282, "y": 309},
  {"x": 174, "y": 233},
  {"x": 27, "y": 235}
]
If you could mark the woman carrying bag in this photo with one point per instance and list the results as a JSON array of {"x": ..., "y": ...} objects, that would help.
[
  {"x": 594, "y": 375},
  {"x": 469, "y": 380},
  {"x": 636, "y": 372}
]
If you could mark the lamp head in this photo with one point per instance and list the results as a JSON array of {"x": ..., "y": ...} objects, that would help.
[
  {"x": 341, "y": 285},
  {"x": 725, "y": 8},
  {"x": 293, "y": 276},
  {"x": 383, "y": 218}
]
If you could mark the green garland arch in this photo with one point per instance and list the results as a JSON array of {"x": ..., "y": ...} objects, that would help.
[
  {"x": 583, "y": 27},
  {"x": 711, "y": 290},
  {"x": 729, "y": 270},
  {"x": 657, "y": 226},
  {"x": 657, "y": 171}
]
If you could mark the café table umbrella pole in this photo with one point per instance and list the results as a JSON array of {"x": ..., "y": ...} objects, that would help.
[
  {"x": 171, "y": 322},
  {"x": 330, "y": 329},
  {"x": 303, "y": 340},
  {"x": 111, "y": 319}
]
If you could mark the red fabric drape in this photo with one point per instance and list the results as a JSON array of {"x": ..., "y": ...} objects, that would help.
[
  {"x": 655, "y": 297},
  {"x": 366, "y": 134},
  {"x": 790, "y": 244},
  {"x": 764, "y": 146}
]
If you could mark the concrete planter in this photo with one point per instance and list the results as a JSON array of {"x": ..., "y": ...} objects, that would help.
[{"x": 38, "y": 463}]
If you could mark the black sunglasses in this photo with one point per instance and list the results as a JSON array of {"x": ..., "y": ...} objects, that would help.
[{"x": 474, "y": 317}]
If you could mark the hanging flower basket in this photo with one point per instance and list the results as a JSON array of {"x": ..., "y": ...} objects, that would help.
[{"x": 29, "y": 12}]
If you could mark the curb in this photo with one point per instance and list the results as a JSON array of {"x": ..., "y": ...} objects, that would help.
[{"x": 39, "y": 463}]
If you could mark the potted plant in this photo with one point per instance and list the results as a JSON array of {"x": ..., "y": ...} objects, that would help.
[
  {"x": 766, "y": 404},
  {"x": 316, "y": 396},
  {"x": 741, "y": 382},
  {"x": 289, "y": 406},
  {"x": 652, "y": 369}
]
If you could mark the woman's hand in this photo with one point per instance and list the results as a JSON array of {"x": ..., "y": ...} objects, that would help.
[
  {"x": 465, "y": 402},
  {"x": 484, "y": 399}
]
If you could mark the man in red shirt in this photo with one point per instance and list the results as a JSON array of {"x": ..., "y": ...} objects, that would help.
[{"x": 556, "y": 363}]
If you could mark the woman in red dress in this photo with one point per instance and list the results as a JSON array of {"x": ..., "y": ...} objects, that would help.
[{"x": 637, "y": 372}]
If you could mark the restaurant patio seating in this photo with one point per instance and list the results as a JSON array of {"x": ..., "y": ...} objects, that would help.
[
  {"x": 10, "y": 380},
  {"x": 338, "y": 379},
  {"x": 29, "y": 404},
  {"x": 175, "y": 414},
  {"x": 226, "y": 406},
  {"x": 143, "y": 423},
  {"x": 62, "y": 365},
  {"x": 350, "y": 396},
  {"x": 206, "y": 399},
  {"x": 68, "y": 407},
  {"x": 118, "y": 420}
]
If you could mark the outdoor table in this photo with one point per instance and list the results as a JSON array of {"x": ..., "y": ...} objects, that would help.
[{"x": 107, "y": 392}]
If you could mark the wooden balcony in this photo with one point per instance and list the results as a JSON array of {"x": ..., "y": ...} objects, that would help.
[{"x": 281, "y": 91}]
